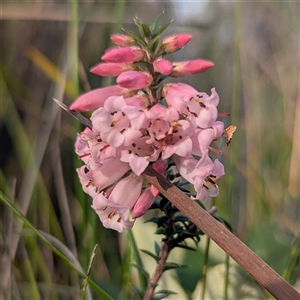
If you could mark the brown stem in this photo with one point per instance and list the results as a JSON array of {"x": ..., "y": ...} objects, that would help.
[
  {"x": 164, "y": 253},
  {"x": 236, "y": 249}
]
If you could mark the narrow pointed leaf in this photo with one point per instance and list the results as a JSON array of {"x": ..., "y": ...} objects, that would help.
[
  {"x": 163, "y": 28},
  {"x": 154, "y": 22},
  {"x": 172, "y": 265},
  {"x": 150, "y": 254},
  {"x": 137, "y": 38}
]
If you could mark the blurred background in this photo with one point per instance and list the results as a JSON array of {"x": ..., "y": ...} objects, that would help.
[{"x": 47, "y": 48}]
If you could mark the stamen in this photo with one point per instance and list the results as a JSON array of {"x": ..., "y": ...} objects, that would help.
[
  {"x": 111, "y": 214},
  {"x": 223, "y": 114},
  {"x": 215, "y": 150},
  {"x": 104, "y": 147}
]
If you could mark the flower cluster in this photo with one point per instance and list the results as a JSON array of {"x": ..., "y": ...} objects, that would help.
[{"x": 141, "y": 121}]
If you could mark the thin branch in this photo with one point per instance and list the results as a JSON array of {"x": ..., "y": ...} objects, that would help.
[
  {"x": 152, "y": 283},
  {"x": 235, "y": 248},
  {"x": 82, "y": 119}
]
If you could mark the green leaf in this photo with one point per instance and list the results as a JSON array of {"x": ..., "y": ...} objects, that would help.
[
  {"x": 161, "y": 294},
  {"x": 223, "y": 221},
  {"x": 157, "y": 248},
  {"x": 158, "y": 220},
  {"x": 143, "y": 28},
  {"x": 139, "y": 292},
  {"x": 150, "y": 254},
  {"x": 181, "y": 218},
  {"x": 164, "y": 291},
  {"x": 154, "y": 22},
  {"x": 289, "y": 273},
  {"x": 153, "y": 44},
  {"x": 186, "y": 247},
  {"x": 138, "y": 260},
  {"x": 172, "y": 265},
  {"x": 160, "y": 231},
  {"x": 162, "y": 28},
  {"x": 142, "y": 270},
  {"x": 137, "y": 38}
]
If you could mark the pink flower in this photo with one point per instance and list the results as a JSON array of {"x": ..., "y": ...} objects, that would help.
[
  {"x": 190, "y": 67},
  {"x": 175, "y": 42},
  {"x": 113, "y": 209},
  {"x": 203, "y": 108},
  {"x": 110, "y": 69},
  {"x": 134, "y": 80},
  {"x": 140, "y": 153},
  {"x": 95, "y": 98},
  {"x": 113, "y": 124},
  {"x": 94, "y": 181},
  {"x": 202, "y": 174},
  {"x": 123, "y": 55},
  {"x": 178, "y": 94},
  {"x": 122, "y": 40},
  {"x": 179, "y": 140},
  {"x": 163, "y": 66}
]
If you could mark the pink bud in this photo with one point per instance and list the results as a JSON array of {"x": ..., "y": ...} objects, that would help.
[
  {"x": 160, "y": 166},
  {"x": 95, "y": 98},
  {"x": 134, "y": 80},
  {"x": 143, "y": 203},
  {"x": 163, "y": 66},
  {"x": 122, "y": 40},
  {"x": 190, "y": 67},
  {"x": 110, "y": 69},
  {"x": 123, "y": 55},
  {"x": 175, "y": 42}
]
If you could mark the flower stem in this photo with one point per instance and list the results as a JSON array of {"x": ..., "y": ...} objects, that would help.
[{"x": 153, "y": 282}]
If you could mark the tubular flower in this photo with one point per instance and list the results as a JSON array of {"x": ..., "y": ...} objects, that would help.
[
  {"x": 140, "y": 122},
  {"x": 163, "y": 66},
  {"x": 122, "y": 40},
  {"x": 110, "y": 69},
  {"x": 113, "y": 209},
  {"x": 96, "y": 98},
  {"x": 134, "y": 80},
  {"x": 175, "y": 42},
  {"x": 190, "y": 67},
  {"x": 123, "y": 55}
]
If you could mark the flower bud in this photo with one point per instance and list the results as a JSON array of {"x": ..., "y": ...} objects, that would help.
[
  {"x": 134, "y": 80},
  {"x": 175, "y": 42},
  {"x": 190, "y": 67},
  {"x": 95, "y": 98},
  {"x": 122, "y": 40},
  {"x": 123, "y": 55},
  {"x": 143, "y": 203},
  {"x": 110, "y": 69},
  {"x": 163, "y": 66}
]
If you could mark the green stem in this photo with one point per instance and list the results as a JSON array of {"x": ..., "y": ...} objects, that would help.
[{"x": 205, "y": 268}]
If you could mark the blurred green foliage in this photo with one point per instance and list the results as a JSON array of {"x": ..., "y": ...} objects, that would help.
[{"x": 47, "y": 50}]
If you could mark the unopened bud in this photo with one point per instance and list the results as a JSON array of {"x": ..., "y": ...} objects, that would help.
[
  {"x": 123, "y": 55},
  {"x": 175, "y": 42},
  {"x": 163, "y": 66},
  {"x": 95, "y": 98},
  {"x": 190, "y": 67},
  {"x": 122, "y": 40},
  {"x": 110, "y": 69},
  {"x": 134, "y": 80}
]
